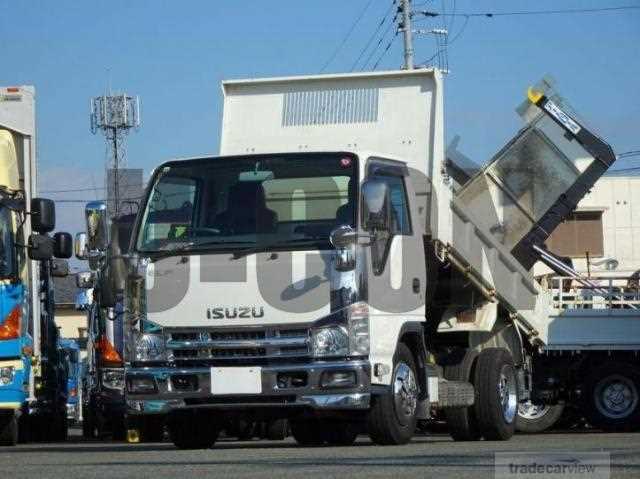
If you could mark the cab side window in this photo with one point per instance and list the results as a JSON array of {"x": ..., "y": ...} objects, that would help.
[{"x": 401, "y": 221}]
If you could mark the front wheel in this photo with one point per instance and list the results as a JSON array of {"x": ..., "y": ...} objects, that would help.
[
  {"x": 277, "y": 429},
  {"x": 88, "y": 423},
  {"x": 392, "y": 418},
  {"x": 9, "y": 430},
  {"x": 535, "y": 418},
  {"x": 612, "y": 397},
  {"x": 496, "y": 400}
]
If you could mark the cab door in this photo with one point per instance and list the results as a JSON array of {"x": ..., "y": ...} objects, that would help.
[{"x": 396, "y": 275}]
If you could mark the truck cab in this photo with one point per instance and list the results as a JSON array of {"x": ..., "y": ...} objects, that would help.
[{"x": 32, "y": 379}]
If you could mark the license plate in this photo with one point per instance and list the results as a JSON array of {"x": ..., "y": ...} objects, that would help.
[{"x": 236, "y": 380}]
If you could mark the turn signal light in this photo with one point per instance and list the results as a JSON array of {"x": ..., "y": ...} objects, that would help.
[
  {"x": 10, "y": 328},
  {"x": 108, "y": 352}
]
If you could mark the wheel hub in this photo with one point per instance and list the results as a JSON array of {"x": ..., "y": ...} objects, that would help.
[
  {"x": 405, "y": 393},
  {"x": 531, "y": 411},
  {"x": 616, "y": 397},
  {"x": 507, "y": 393}
]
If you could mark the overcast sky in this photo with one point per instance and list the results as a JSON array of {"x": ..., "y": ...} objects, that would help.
[{"x": 174, "y": 54}]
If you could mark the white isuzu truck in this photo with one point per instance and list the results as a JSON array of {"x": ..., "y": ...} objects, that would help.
[{"x": 329, "y": 269}]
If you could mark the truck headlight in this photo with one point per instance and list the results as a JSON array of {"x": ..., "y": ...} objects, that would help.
[
  {"x": 7, "y": 374},
  {"x": 331, "y": 341},
  {"x": 150, "y": 347},
  {"x": 350, "y": 339},
  {"x": 113, "y": 379}
]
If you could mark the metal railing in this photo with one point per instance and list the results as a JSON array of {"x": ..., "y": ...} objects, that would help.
[{"x": 595, "y": 292}]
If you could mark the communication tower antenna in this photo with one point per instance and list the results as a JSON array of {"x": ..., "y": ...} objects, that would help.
[{"x": 114, "y": 115}]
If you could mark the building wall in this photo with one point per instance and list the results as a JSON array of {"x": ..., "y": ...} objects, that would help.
[
  {"x": 69, "y": 320},
  {"x": 618, "y": 197}
]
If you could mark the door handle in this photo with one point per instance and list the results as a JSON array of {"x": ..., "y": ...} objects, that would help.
[{"x": 416, "y": 285}]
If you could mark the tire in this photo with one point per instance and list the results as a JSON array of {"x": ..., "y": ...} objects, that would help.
[
  {"x": 60, "y": 432},
  {"x": 9, "y": 430},
  {"x": 496, "y": 401},
  {"x": 193, "y": 430},
  {"x": 277, "y": 430},
  {"x": 534, "y": 418},
  {"x": 118, "y": 428},
  {"x": 461, "y": 421},
  {"x": 612, "y": 396},
  {"x": 152, "y": 429},
  {"x": 308, "y": 433},
  {"x": 392, "y": 417},
  {"x": 88, "y": 424}
]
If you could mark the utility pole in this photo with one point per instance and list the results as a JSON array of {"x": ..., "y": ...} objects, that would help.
[{"x": 408, "y": 34}]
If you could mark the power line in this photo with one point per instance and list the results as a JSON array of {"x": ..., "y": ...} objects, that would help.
[
  {"x": 530, "y": 12},
  {"x": 75, "y": 190},
  {"x": 346, "y": 37},
  {"x": 629, "y": 154},
  {"x": 386, "y": 49},
  {"x": 380, "y": 41},
  {"x": 373, "y": 36}
]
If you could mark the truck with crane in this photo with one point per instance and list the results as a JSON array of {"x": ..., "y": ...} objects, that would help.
[
  {"x": 330, "y": 269},
  {"x": 32, "y": 372}
]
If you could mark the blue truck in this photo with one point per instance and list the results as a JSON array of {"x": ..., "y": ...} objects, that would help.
[
  {"x": 32, "y": 373},
  {"x": 71, "y": 353}
]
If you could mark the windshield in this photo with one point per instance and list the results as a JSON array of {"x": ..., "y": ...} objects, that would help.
[
  {"x": 259, "y": 201},
  {"x": 7, "y": 249}
]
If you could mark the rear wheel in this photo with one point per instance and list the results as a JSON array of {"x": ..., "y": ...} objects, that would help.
[
  {"x": 193, "y": 430},
  {"x": 612, "y": 396},
  {"x": 534, "y": 418},
  {"x": 462, "y": 422},
  {"x": 8, "y": 430},
  {"x": 496, "y": 401},
  {"x": 392, "y": 418}
]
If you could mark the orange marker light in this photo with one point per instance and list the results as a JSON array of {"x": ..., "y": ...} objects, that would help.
[
  {"x": 10, "y": 328},
  {"x": 108, "y": 352}
]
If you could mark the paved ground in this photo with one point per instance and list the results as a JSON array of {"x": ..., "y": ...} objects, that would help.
[{"x": 434, "y": 456}]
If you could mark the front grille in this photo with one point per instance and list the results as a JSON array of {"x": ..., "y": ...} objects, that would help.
[{"x": 238, "y": 343}]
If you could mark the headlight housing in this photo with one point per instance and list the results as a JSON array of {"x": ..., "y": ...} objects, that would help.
[
  {"x": 150, "y": 347},
  {"x": 330, "y": 341},
  {"x": 113, "y": 379},
  {"x": 351, "y": 339},
  {"x": 7, "y": 374}
]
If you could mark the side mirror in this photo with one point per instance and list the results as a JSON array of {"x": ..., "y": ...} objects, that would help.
[
  {"x": 376, "y": 206},
  {"x": 97, "y": 226},
  {"x": 80, "y": 246},
  {"x": 342, "y": 237},
  {"x": 40, "y": 247},
  {"x": 62, "y": 245},
  {"x": 85, "y": 280},
  {"x": 43, "y": 215},
  {"x": 59, "y": 268}
]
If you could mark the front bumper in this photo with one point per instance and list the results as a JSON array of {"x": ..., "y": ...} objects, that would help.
[{"x": 308, "y": 392}]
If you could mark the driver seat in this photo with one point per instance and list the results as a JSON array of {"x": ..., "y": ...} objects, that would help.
[{"x": 247, "y": 211}]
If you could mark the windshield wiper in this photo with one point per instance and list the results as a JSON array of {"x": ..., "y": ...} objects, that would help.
[
  {"x": 265, "y": 247},
  {"x": 192, "y": 246}
]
